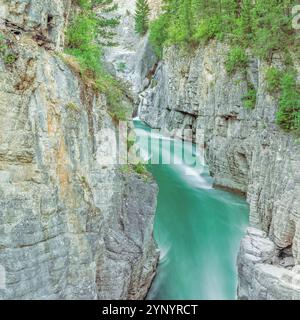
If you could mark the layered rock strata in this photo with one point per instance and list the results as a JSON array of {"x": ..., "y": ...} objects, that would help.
[{"x": 70, "y": 227}]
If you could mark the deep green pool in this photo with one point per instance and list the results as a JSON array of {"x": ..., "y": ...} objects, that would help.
[{"x": 197, "y": 228}]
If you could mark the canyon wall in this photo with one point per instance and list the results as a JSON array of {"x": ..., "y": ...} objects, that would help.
[
  {"x": 245, "y": 150},
  {"x": 133, "y": 58},
  {"x": 70, "y": 227}
]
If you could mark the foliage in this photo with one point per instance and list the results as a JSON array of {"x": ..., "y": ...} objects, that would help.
[
  {"x": 114, "y": 92},
  {"x": 130, "y": 143},
  {"x": 288, "y": 116},
  {"x": 158, "y": 34},
  {"x": 125, "y": 169},
  {"x": 285, "y": 83},
  {"x": 121, "y": 67},
  {"x": 10, "y": 58},
  {"x": 250, "y": 98},
  {"x": 272, "y": 27},
  {"x": 208, "y": 29},
  {"x": 3, "y": 45},
  {"x": 142, "y": 17},
  {"x": 236, "y": 59},
  {"x": 89, "y": 30},
  {"x": 140, "y": 169},
  {"x": 81, "y": 43},
  {"x": 273, "y": 79},
  {"x": 5, "y": 52},
  {"x": 264, "y": 25},
  {"x": 99, "y": 15}
]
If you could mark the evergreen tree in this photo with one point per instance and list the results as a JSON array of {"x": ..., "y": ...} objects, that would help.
[
  {"x": 101, "y": 18},
  {"x": 90, "y": 29},
  {"x": 107, "y": 21},
  {"x": 142, "y": 16}
]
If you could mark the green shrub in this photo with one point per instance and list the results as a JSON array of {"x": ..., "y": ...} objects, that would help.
[
  {"x": 114, "y": 92},
  {"x": 288, "y": 116},
  {"x": 121, "y": 67},
  {"x": 8, "y": 56},
  {"x": 208, "y": 29},
  {"x": 273, "y": 78},
  {"x": 158, "y": 34},
  {"x": 272, "y": 27},
  {"x": 130, "y": 143},
  {"x": 236, "y": 59},
  {"x": 82, "y": 30},
  {"x": 140, "y": 169},
  {"x": 82, "y": 43},
  {"x": 107, "y": 5},
  {"x": 84, "y": 4},
  {"x": 249, "y": 98}
]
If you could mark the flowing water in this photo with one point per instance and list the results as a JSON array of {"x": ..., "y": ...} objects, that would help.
[{"x": 197, "y": 228}]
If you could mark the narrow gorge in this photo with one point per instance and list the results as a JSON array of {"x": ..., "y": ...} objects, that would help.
[
  {"x": 245, "y": 151},
  {"x": 74, "y": 227}
]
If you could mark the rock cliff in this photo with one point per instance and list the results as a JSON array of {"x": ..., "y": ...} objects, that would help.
[
  {"x": 133, "y": 59},
  {"x": 245, "y": 151},
  {"x": 70, "y": 228}
]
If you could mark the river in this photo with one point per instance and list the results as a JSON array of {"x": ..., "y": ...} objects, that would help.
[{"x": 198, "y": 228}]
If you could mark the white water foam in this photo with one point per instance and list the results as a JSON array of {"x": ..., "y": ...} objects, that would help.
[{"x": 191, "y": 175}]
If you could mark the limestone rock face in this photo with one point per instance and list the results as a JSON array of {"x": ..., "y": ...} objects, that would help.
[
  {"x": 133, "y": 58},
  {"x": 245, "y": 151},
  {"x": 262, "y": 272},
  {"x": 70, "y": 227},
  {"x": 45, "y": 19}
]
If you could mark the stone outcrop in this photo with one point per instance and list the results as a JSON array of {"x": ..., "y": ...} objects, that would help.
[
  {"x": 45, "y": 20},
  {"x": 133, "y": 59},
  {"x": 245, "y": 151},
  {"x": 265, "y": 274},
  {"x": 70, "y": 227}
]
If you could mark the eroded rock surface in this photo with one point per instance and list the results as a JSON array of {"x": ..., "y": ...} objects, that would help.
[
  {"x": 133, "y": 59},
  {"x": 70, "y": 228}
]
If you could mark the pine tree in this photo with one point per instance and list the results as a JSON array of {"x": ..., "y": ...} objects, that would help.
[
  {"x": 100, "y": 17},
  {"x": 142, "y": 16},
  {"x": 107, "y": 21},
  {"x": 89, "y": 30}
]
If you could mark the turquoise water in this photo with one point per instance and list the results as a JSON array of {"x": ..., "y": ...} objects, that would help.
[{"x": 197, "y": 228}]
